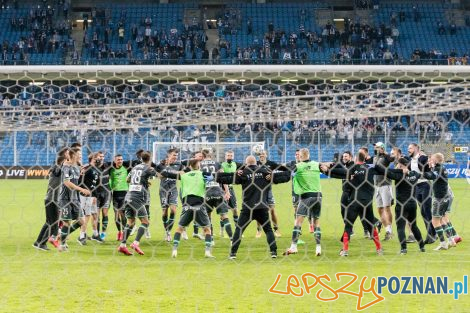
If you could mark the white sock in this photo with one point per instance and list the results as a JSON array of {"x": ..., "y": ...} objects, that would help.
[
  {"x": 82, "y": 234},
  {"x": 95, "y": 232},
  {"x": 389, "y": 228},
  {"x": 293, "y": 246}
]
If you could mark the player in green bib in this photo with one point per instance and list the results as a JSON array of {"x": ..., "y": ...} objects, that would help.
[
  {"x": 307, "y": 186},
  {"x": 230, "y": 166},
  {"x": 193, "y": 191},
  {"x": 119, "y": 186}
]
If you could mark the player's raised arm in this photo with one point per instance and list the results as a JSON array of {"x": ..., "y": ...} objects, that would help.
[
  {"x": 391, "y": 173},
  {"x": 227, "y": 178},
  {"x": 280, "y": 177},
  {"x": 395, "y": 174},
  {"x": 170, "y": 173},
  {"x": 340, "y": 173}
]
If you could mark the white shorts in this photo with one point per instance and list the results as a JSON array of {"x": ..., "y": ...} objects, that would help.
[
  {"x": 88, "y": 205},
  {"x": 383, "y": 196}
]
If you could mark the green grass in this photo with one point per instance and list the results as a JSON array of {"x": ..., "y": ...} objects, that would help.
[{"x": 94, "y": 278}]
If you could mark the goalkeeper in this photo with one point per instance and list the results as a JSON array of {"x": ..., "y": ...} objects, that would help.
[{"x": 119, "y": 186}]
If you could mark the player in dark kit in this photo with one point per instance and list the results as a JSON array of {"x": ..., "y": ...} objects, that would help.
[
  {"x": 271, "y": 166},
  {"x": 384, "y": 193},
  {"x": 360, "y": 178},
  {"x": 129, "y": 165},
  {"x": 441, "y": 200},
  {"x": 90, "y": 179},
  {"x": 368, "y": 158},
  {"x": 69, "y": 202},
  {"x": 215, "y": 194},
  {"x": 255, "y": 182},
  {"x": 135, "y": 201},
  {"x": 103, "y": 198},
  {"x": 168, "y": 191},
  {"x": 348, "y": 162},
  {"x": 50, "y": 228},
  {"x": 405, "y": 209},
  {"x": 419, "y": 164},
  {"x": 291, "y": 166}
]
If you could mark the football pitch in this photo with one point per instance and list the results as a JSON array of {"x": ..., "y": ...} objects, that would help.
[{"x": 95, "y": 278}]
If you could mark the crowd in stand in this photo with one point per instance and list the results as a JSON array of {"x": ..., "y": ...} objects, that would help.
[
  {"x": 358, "y": 42},
  {"x": 230, "y": 22},
  {"x": 44, "y": 29},
  {"x": 143, "y": 43}
]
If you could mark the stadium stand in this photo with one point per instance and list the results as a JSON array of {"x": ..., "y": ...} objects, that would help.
[
  {"x": 34, "y": 34},
  {"x": 416, "y": 32},
  {"x": 38, "y": 33}
]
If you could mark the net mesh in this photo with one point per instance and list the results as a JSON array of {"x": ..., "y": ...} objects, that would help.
[
  {"x": 119, "y": 110},
  {"x": 199, "y": 142},
  {"x": 113, "y": 98}
]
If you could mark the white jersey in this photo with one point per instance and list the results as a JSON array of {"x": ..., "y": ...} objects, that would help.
[{"x": 414, "y": 167}]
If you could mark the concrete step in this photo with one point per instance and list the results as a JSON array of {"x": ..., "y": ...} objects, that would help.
[
  {"x": 213, "y": 39},
  {"x": 192, "y": 16},
  {"x": 456, "y": 16},
  {"x": 323, "y": 16}
]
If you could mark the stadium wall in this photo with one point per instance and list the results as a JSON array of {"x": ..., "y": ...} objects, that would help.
[{"x": 42, "y": 172}]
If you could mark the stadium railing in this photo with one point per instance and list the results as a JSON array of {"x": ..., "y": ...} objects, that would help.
[{"x": 237, "y": 61}]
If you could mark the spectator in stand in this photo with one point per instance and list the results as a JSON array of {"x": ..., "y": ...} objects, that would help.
[
  {"x": 85, "y": 21},
  {"x": 388, "y": 57},
  {"x": 75, "y": 57},
  {"x": 441, "y": 30},
  {"x": 271, "y": 27},
  {"x": 416, "y": 14},
  {"x": 453, "y": 28},
  {"x": 402, "y": 15}
]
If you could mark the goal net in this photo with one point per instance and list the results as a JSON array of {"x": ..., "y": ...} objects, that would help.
[
  {"x": 119, "y": 110},
  {"x": 188, "y": 148}
]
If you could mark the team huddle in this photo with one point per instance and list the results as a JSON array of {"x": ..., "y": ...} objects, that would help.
[{"x": 79, "y": 194}]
